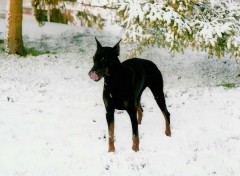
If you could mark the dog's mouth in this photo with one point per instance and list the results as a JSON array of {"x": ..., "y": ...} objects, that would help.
[{"x": 94, "y": 76}]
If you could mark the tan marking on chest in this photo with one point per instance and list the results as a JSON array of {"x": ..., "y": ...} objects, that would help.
[{"x": 125, "y": 104}]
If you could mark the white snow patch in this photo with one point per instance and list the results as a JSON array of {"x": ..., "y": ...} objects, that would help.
[{"x": 52, "y": 117}]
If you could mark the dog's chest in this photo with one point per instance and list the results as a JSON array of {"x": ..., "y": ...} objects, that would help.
[
  {"x": 119, "y": 100},
  {"x": 119, "y": 90}
]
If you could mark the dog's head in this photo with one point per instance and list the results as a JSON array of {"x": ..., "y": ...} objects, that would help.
[{"x": 103, "y": 59}]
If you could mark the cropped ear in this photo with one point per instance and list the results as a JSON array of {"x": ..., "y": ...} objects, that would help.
[
  {"x": 98, "y": 43},
  {"x": 116, "y": 48}
]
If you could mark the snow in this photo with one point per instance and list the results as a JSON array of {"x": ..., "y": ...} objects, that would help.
[{"x": 52, "y": 117}]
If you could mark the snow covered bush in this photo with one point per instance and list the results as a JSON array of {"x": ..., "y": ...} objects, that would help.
[{"x": 213, "y": 26}]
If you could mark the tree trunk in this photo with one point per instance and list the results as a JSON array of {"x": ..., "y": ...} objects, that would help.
[{"x": 14, "y": 27}]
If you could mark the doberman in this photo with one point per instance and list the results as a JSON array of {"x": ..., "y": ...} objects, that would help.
[{"x": 123, "y": 86}]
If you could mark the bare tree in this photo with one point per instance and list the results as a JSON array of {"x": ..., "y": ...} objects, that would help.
[{"x": 14, "y": 28}]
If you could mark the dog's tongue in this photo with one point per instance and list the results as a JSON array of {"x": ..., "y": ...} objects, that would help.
[{"x": 94, "y": 76}]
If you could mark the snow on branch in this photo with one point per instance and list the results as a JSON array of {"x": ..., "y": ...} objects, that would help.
[{"x": 202, "y": 24}]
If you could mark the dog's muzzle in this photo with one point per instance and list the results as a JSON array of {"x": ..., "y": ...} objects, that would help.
[{"x": 94, "y": 76}]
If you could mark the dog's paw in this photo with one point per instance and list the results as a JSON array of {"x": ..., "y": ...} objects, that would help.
[
  {"x": 111, "y": 150},
  {"x": 135, "y": 145},
  {"x": 135, "y": 148},
  {"x": 168, "y": 133}
]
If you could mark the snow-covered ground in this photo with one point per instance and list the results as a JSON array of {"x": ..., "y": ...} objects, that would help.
[{"x": 52, "y": 118}]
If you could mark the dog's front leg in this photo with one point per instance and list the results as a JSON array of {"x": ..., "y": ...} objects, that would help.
[
  {"x": 109, "y": 117},
  {"x": 133, "y": 116},
  {"x": 110, "y": 122}
]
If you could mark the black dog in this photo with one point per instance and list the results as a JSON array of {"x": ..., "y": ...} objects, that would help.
[{"x": 123, "y": 86}]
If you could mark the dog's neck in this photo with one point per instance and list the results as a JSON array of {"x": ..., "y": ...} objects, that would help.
[
  {"x": 115, "y": 64},
  {"x": 115, "y": 68}
]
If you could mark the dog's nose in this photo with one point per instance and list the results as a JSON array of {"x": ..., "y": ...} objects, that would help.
[{"x": 93, "y": 75}]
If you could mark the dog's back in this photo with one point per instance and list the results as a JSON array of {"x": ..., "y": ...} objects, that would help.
[{"x": 145, "y": 71}]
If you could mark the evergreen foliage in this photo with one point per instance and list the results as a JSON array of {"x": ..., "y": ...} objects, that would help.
[
  {"x": 41, "y": 8},
  {"x": 213, "y": 26},
  {"x": 90, "y": 20}
]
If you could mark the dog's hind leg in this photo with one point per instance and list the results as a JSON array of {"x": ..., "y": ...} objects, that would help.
[
  {"x": 160, "y": 99},
  {"x": 139, "y": 108},
  {"x": 139, "y": 113},
  {"x": 157, "y": 90}
]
